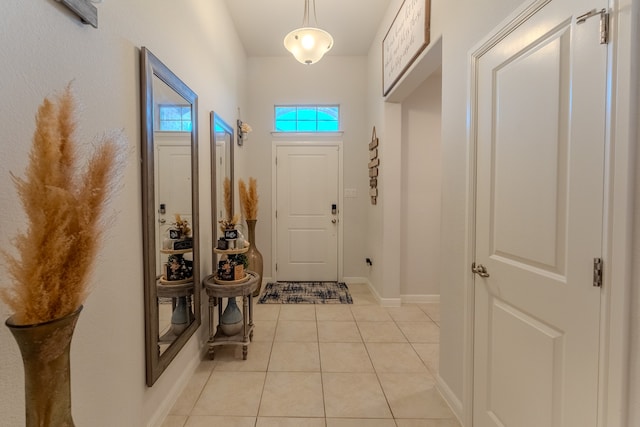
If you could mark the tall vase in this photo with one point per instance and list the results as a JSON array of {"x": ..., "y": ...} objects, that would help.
[
  {"x": 231, "y": 320},
  {"x": 47, "y": 374},
  {"x": 253, "y": 255}
]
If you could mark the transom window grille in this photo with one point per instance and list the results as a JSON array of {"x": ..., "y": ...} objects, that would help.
[
  {"x": 175, "y": 118},
  {"x": 307, "y": 118}
]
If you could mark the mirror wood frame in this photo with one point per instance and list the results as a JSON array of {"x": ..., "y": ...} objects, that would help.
[
  {"x": 217, "y": 120},
  {"x": 150, "y": 67}
]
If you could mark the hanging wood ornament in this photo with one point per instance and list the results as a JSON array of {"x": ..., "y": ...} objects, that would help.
[{"x": 374, "y": 162}]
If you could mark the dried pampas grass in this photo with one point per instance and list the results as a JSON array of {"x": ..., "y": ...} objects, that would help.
[
  {"x": 64, "y": 207},
  {"x": 249, "y": 199}
]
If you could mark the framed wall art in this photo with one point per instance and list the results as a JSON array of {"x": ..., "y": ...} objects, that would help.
[
  {"x": 87, "y": 12},
  {"x": 407, "y": 37}
]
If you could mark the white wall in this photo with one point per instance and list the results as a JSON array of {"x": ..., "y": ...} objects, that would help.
[
  {"x": 43, "y": 48},
  {"x": 465, "y": 24},
  {"x": 420, "y": 222},
  {"x": 634, "y": 386},
  {"x": 334, "y": 80},
  {"x": 399, "y": 139}
]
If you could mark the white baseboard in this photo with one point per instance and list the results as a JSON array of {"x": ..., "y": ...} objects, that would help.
[
  {"x": 384, "y": 302},
  {"x": 420, "y": 299},
  {"x": 356, "y": 280},
  {"x": 452, "y": 400},
  {"x": 389, "y": 302}
]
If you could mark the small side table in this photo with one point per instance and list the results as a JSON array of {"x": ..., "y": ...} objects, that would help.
[{"x": 217, "y": 290}]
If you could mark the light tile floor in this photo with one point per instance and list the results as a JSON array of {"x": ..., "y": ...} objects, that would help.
[{"x": 331, "y": 365}]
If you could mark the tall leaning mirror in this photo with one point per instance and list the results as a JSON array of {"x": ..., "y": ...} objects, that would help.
[
  {"x": 222, "y": 170},
  {"x": 169, "y": 213}
]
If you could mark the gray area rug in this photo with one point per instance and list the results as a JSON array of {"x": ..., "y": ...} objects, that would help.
[{"x": 306, "y": 293}]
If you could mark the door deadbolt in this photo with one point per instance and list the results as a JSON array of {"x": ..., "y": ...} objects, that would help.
[{"x": 480, "y": 270}]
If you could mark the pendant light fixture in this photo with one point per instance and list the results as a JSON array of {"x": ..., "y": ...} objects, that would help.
[{"x": 308, "y": 44}]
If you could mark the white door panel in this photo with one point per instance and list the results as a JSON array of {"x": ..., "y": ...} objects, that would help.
[
  {"x": 307, "y": 230},
  {"x": 539, "y": 198},
  {"x": 173, "y": 172}
]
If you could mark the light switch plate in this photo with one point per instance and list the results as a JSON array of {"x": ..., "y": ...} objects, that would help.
[{"x": 350, "y": 193}]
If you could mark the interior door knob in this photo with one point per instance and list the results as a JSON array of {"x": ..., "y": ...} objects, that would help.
[
  {"x": 479, "y": 269},
  {"x": 333, "y": 221}
]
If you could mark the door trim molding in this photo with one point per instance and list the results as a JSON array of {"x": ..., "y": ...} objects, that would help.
[
  {"x": 620, "y": 162},
  {"x": 320, "y": 142},
  {"x": 618, "y": 208}
]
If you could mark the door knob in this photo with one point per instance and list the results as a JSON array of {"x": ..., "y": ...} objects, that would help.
[
  {"x": 333, "y": 221},
  {"x": 162, "y": 220},
  {"x": 480, "y": 270}
]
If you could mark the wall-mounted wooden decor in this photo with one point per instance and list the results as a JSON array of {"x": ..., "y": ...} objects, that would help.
[
  {"x": 406, "y": 38},
  {"x": 84, "y": 9},
  {"x": 373, "y": 167}
]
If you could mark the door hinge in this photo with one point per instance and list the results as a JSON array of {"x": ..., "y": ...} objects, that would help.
[
  {"x": 276, "y": 214},
  {"x": 276, "y": 267},
  {"x": 604, "y": 22},
  {"x": 597, "y": 272}
]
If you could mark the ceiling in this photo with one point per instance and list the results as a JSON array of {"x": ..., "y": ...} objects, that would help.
[{"x": 262, "y": 24}]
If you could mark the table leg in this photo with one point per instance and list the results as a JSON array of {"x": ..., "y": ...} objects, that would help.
[
  {"x": 251, "y": 317},
  {"x": 245, "y": 327},
  {"x": 211, "y": 330},
  {"x": 192, "y": 317}
]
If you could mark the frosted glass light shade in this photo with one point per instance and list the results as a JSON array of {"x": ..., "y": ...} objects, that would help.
[{"x": 308, "y": 45}]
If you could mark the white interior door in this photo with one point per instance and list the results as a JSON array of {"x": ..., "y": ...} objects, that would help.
[
  {"x": 306, "y": 224},
  {"x": 539, "y": 203}
]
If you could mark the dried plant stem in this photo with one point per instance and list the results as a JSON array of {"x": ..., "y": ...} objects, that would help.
[
  {"x": 249, "y": 199},
  {"x": 64, "y": 211},
  {"x": 227, "y": 197}
]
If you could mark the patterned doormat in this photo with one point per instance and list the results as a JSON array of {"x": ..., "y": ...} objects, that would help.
[{"x": 306, "y": 293}]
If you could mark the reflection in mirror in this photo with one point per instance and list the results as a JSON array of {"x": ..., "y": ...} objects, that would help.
[
  {"x": 222, "y": 170},
  {"x": 170, "y": 213}
]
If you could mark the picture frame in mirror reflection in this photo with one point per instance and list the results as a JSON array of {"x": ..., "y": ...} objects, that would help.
[{"x": 170, "y": 201}]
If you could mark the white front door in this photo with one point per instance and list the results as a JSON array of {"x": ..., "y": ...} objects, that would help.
[
  {"x": 173, "y": 177},
  {"x": 221, "y": 174},
  {"x": 540, "y": 109},
  {"x": 307, "y": 213}
]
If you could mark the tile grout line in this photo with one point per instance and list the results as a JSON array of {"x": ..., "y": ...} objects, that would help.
[
  {"x": 266, "y": 372},
  {"x": 195, "y": 401},
  {"x": 411, "y": 344},
  {"x": 324, "y": 401},
  {"x": 375, "y": 371}
]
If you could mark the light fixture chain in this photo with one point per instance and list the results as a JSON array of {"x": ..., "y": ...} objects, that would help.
[
  {"x": 305, "y": 20},
  {"x": 315, "y": 15}
]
